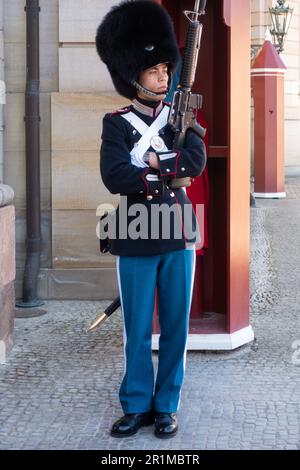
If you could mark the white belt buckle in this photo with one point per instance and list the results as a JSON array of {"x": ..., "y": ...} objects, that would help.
[{"x": 157, "y": 143}]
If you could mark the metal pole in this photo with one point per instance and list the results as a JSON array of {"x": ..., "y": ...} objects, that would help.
[{"x": 32, "y": 124}]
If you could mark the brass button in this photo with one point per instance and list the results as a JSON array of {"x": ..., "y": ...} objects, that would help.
[
  {"x": 149, "y": 198},
  {"x": 168, "y": 170},
  {"x": 156, "y": 191},
  {"x": 172, "y": 194},
  {"x": 182, "y": 169}
]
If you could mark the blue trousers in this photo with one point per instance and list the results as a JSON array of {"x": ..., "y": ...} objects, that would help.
[{"x": 172, "y": 274}]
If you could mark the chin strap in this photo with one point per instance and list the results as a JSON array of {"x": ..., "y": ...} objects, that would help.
[
  {"x": 148, "y": 92},
  {"x": 141, "y": 88}
]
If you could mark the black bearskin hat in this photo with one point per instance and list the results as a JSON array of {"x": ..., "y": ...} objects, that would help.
[{"x": 134, "y": 36}]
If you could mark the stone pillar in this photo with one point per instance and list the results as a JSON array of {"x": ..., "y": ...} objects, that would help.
[
  {"x": 7, "y": 270},
  {"x": 267, "y": 76},
  {"x": 2, "y": 89}
]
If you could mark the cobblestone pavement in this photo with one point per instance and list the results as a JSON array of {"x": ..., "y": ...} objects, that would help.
[{"x": 59, "y": 388}]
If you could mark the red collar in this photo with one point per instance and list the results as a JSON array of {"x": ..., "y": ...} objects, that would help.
[{"x": 147, "y": 110}]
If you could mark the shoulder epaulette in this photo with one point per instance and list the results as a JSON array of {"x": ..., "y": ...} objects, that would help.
[{"x": 120, "y": 111}]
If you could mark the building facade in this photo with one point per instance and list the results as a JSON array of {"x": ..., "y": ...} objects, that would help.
[
  {"x": 261, "y": 20},
  {"x": 75, "y": 92}
]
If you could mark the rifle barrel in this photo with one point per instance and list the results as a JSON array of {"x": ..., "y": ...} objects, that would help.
[{"x": 202, "y": 7}]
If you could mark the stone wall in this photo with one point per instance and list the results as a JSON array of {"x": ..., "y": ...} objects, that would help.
[
  {"x": 85, "y": 94},
  {"x": 2, "y": 89},
  {"x": 14, "y": 138},
  {"x": 291, "y": 58},
  {"x": 261, "y": 20},
  {"x": 7, "y": 270}
]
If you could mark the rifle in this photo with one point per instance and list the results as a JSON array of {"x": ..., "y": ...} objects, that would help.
[
  {"x": 182, "y": 112},
  {"x": 182, "y": 115}
]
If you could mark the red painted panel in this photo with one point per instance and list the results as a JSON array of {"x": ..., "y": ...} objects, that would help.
[
  {"x": 268, "y": 94},
  {"x": 268, "y": 58},
  {"x": 239, "y": 166}
]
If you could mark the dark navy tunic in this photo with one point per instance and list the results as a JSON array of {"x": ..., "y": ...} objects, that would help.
[{"x": 120, "y": 176}]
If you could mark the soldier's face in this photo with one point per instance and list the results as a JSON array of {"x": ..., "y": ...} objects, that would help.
[{"x": 155, "y": 79}]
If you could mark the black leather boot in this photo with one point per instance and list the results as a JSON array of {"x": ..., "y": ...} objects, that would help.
[
  {"x": 166, "y": 425},
  {"x": 129, "y": 424}
]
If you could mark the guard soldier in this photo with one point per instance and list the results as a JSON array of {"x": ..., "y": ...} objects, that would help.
[{"x": 136, "y": 41}]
